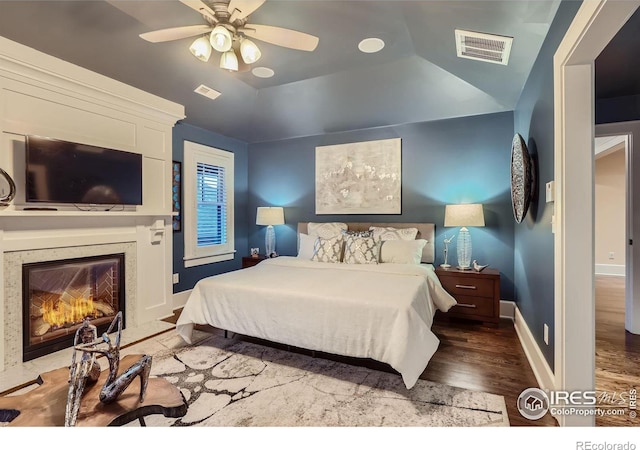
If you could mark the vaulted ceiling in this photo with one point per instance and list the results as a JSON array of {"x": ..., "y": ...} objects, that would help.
[{"x": 416, "y": 76}]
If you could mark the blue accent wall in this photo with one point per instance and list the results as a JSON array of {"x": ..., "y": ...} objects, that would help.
[
  {"x": 533, "y": 253},
  {"x": 463, "y": 160},
  {"x": 186, "y": 132}
]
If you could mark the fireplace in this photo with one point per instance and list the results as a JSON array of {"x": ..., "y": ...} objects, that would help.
[{"x": 59, "y": 295}]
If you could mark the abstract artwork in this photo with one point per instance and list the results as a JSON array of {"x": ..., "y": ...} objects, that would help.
[
  {"x": 176, "y": 195},
  {"x": 359, "y": 178}
]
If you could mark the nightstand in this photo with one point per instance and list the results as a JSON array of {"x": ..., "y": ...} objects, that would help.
[
  {"x": 477, "y": 293},
  {"x": 250, "y": 261}
]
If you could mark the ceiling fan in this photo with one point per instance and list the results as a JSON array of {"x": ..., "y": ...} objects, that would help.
[{"x": 227, "y": 31}]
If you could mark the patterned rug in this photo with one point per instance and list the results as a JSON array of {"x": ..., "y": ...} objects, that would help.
[{"x": 231, "y": 383}]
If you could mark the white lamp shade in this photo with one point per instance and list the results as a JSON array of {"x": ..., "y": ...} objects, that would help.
[
  {"x": 229, "y": 61},
  {"x": 201, "y": 49},
  {"x": 249, "y": 51},
  {"x": 470, "y": 215},
  {"x": 220, "y": 39},
  {"x": 270, "y": 215}
]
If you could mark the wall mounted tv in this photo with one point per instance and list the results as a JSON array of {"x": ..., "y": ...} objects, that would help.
[{"x": 67, "y": 172}]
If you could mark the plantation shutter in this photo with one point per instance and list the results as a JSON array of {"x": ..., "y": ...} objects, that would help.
[
  {"x": 208, "y": 205},
  {"x": 211, "y": 205}
]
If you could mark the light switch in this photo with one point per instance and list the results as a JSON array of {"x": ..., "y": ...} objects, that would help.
[{"x": 551, "y": 194}]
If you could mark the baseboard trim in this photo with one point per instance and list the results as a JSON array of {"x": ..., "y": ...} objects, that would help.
[
  {"x": 543, "y": 373},
  {"x": 180, "y": 299},
  {"x": 507, "y": 309},
  {"x": 611, "y": 269}
]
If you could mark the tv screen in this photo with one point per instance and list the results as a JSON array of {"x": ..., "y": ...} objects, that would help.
[{"x": 66, "y": 172}]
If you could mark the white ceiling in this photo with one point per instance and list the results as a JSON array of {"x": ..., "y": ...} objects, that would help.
[{"x": 416, "y": 77}]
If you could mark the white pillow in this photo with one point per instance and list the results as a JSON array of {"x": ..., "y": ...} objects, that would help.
[
  {"x": 326, "y": 230},
  {"x": 391, "y": 233},
  {"x": 305, "y": 246},
  {"x": 401, "y": 251}
]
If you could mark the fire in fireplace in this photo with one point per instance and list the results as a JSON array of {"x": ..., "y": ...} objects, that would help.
[{"x": 59, "y": 295}]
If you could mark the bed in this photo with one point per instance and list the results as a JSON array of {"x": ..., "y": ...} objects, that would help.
[{"x": 383, "y": 311}]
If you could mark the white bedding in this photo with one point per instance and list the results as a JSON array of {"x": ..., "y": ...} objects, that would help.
[{"x": 378, "y": 311}]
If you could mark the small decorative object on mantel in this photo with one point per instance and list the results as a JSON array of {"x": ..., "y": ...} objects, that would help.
[
  {"x": 115, "y": 384},
  {"x": 7, "y": 188},
  {"x": 477, "y": 267},
  {"x": 522, "y": 178},
  {"x": 446, "y": 241},
  {"x": 255, "y": 252}
]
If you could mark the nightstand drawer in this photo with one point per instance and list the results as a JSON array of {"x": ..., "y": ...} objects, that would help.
[
  {"x": 473, "y": 306},
  {"x": 468, "y": 286}
]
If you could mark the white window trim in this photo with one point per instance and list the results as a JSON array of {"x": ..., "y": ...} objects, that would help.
[{"x": 194, "y": 255}]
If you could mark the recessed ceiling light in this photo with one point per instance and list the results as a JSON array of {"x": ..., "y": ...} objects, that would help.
[
  {"x": 262, "y": 72},
  {"x": 371, "y": 45}
]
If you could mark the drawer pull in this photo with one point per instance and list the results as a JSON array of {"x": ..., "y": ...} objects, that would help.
[
  {"x": 465, "y": 286},
  {"x": 466, "y": 305}
]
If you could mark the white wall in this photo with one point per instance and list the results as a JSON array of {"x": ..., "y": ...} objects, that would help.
[
  {"x": 43, "y": 95},
  {"x": 610, "y": 214}
]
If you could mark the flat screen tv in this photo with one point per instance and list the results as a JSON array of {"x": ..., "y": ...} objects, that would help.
[{"x": 67, "y": 172}]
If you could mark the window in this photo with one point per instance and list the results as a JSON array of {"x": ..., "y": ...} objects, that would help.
[{"x": 208, "y": 205}]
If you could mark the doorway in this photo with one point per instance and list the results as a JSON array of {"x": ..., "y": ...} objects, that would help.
[{"x": 592, "y": 29}]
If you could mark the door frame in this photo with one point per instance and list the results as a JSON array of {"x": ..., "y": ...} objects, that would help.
[{"x": 595, "y": 24}]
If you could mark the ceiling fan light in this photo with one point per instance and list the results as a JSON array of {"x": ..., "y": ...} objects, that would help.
[
  {"x": 201, "y": 49},
  {"x": 249, "y": 51},
  {"x": 229, "y": 61},
  {"x": 220, "y": 39}
]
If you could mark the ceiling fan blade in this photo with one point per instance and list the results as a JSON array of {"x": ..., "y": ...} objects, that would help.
[
  {"x": 283, "y": 37},
  {"x": 202, "y": 8},
  {"x": 173, "y": 34},
  {"x": 239, "y": 9}
]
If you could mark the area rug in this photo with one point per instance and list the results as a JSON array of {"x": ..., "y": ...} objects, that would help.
[{"x": 231, "y": 383}]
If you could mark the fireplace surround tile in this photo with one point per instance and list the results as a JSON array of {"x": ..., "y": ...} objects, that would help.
[{"x": 13, "y": 262}]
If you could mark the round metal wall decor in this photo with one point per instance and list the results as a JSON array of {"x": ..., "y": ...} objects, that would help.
[
  {"x": 521, "y": 178},
  {"x": 7, "y": 188}
]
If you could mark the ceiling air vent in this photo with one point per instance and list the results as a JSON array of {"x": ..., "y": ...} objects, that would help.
[
  {"x": 483, "y": 47},
  {"x": 207, "y": 92}
]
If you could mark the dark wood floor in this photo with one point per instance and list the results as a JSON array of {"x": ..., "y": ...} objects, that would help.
[
  {"x": 471, "y": 356},
  {"x": 617, "y": 350}
]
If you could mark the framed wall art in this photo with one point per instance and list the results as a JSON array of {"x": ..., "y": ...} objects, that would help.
[
  {"x": 359, "y": 178},
  {"x": 176, "y": 194}
]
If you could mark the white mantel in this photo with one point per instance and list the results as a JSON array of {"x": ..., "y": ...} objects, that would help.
[{"x": 43, "y": 95}]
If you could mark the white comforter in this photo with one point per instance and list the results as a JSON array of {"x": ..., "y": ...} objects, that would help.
[{"x": 382, "y": 311}]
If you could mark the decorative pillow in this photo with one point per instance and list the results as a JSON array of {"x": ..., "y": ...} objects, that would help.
[
  {"x": 360, "y": 250},
  {"x": 390, "y": 233},
  {"x": 366, "y": 233},
  {"x": 326, "y": 230},
  {"x": 305, "y": 246},
  {"x": 401, "y": 251},
  {"x": 327, "y": 250}
]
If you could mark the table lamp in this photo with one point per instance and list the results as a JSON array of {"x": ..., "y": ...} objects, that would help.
[
  {"x": 270, "y": 216},
  {"x": 464, "y": 216}
]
